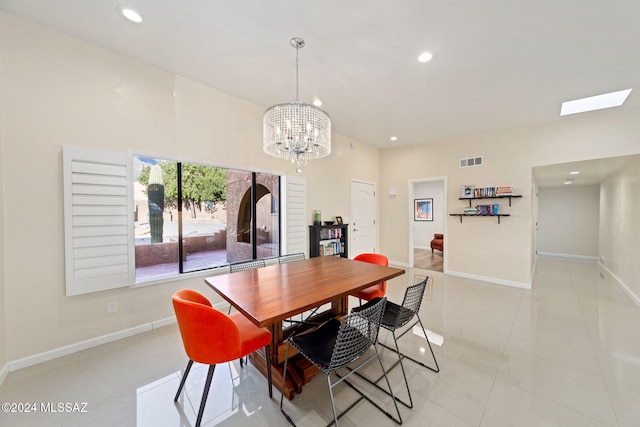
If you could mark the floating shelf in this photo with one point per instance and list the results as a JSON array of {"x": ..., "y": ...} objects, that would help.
[
  {"x": 496, "y": 215},
  {"x": 508, "y": 196}
]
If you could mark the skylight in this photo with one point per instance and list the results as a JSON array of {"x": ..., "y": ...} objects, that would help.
[{"x": 598, "y": 102}]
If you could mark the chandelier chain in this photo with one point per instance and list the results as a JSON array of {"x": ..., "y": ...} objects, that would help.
[
  {"x": 297, "y": 75},
  {"x": 296, "y": 131}
]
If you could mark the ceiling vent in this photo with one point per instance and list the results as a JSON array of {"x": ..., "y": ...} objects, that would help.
[{"x": 471, "y": 161}]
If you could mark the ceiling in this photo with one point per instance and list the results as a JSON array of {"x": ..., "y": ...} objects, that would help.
[
  {"x": 498, "y": 65},
  {"x": 592, "y": 172}
]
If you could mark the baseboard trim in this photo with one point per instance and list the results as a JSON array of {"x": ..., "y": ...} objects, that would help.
[
  {"x": 623, "y": 285},
  {"x": 399, "y": 264},
  {"x": 569, "y": 256},
  {"x": 512, "y": 283},
  {"x": 4, "y": 372},
  {"x": 84, "y": 345}
]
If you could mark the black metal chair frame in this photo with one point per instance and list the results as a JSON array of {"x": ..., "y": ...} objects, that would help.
[
  {"x": 253, "y": 264},
  {"x": 346, "y": 342},
  {"x": 207, "y": 384},
  {"x": 395, "y": 318},
  {"x": 246, "y": 265}
]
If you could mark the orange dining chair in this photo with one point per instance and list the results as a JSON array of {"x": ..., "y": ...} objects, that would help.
[
  {"x": 211, "y": 337},
  {"x": 375, "y": 291}
]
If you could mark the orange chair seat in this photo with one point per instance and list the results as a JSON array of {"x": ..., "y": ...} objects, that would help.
[
  {"x": 251, "y": 337},
  {"x": 375, "y": 291},
  {"x": 370, "y": 293},
  {"x": 211, "y": 337}
]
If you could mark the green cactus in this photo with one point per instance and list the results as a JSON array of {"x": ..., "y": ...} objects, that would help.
[{"x": 155, "y": 193}]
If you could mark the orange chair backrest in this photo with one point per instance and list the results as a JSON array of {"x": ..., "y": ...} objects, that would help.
[
  {"x": 373, "y": 258},
  {"x": 209, "y": 336}
]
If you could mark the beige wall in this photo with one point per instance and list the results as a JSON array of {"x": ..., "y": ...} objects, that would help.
[
  {"x": 57, "y": 90},
  {"x": 479, "y": 247},
  {"x": 620, "y": 226},
  {"x": 3, "y": 340},
  {"x": 569, "y": 219}
]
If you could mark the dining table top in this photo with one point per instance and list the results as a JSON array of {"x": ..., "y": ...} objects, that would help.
[{"x": 276, "y": 292}]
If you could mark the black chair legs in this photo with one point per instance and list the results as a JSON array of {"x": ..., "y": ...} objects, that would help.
[
  {"x": 184, "y": 379},
  {"x": 205, "y": 392},
  {"x": 436, "y": 369}
]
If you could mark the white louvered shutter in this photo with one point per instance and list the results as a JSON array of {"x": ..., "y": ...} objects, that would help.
[
  {"x": 98, "y": 253},
  {"x": 293, "y": 217}
]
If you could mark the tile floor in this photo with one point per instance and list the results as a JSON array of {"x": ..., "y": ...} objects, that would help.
[{"x": 566, "y": 353}]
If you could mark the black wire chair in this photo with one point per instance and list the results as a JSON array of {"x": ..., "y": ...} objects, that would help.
[
  {"x": 396, "y": 317},
  {"x": 338, "y": 344},
  {"x": 246, "y": 265},
  {"x": 283, "y": 259}
]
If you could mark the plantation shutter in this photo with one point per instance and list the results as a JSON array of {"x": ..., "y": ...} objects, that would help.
[
  {"x": 294, "y": 205},
  {"x": 98, "y": 253}
]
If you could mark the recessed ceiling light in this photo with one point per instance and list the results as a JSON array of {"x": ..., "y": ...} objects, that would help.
[
  {"x": 425, "y": 57},
  {"x": 317, "y": 102},
  {"x": 598, "y": 102},
  {"x": 131, "y": 14},
  {"x": 574, "y": 173},
  {"x": 394, "y": 138},
  {"x": 568, "y": 182}
]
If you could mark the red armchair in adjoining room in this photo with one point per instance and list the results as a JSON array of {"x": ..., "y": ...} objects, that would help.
[
  {"x": 375, "y": 291},
  {"x": 437, "y": 242},
  {"x": 211, "y": 337}
]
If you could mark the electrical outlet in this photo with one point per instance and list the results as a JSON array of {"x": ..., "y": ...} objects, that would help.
[{"x": 112, "y": 307}]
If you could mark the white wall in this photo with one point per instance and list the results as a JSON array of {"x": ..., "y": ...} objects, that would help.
[
  {"x": 3, "y": 327},
  {"x": 423, "y": 231},
  {"x": 569, "y": 219},
  {"x": 479, "y": 247},
  {"x": 57, "y": 90},
  {"x": 620, "y": 227}
]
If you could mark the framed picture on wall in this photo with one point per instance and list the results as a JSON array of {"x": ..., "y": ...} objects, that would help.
[{"x": 423, "y": 210}]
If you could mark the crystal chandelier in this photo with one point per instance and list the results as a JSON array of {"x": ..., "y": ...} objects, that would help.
[{"x": 296, "y": 131}]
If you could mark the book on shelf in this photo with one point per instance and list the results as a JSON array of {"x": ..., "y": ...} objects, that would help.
[
  {"x": 487, "y": 209},
  {"x": 504, "y": 191},
  {"x": 331, "y": 248}
]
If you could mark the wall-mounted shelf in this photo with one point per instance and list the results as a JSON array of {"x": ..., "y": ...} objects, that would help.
[
  {"x": 509, "y": 196},
  {"x": 495, "y": 215},
  {"x": 469, "y": 192}
]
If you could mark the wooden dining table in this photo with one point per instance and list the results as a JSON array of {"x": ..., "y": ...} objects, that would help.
[{"x": 271, "y": 295}]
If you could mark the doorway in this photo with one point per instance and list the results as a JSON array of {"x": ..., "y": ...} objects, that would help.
[
  {"x": 422, "y": 230},
  {"x": 363, "y": 218}
]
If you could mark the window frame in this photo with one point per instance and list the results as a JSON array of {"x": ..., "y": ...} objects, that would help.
[
  {"x": 213, "y": 271},
  {"x": 291, "y": 226}
]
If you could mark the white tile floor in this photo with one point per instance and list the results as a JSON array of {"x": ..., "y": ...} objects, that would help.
[{"x": 566, "y": 353}]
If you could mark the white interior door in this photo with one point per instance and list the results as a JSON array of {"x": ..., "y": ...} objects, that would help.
[{"x": 363, "y": 218}]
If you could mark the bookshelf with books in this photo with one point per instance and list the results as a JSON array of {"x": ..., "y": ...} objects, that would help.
[
  {"x": 328, "y": 240},
  {"x": 469, "y": 192}
]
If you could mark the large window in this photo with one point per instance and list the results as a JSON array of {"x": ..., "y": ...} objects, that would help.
[{"x": 191, "y": 217}]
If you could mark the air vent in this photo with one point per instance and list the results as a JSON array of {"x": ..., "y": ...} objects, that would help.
[{"x": 471, "y": 161}]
